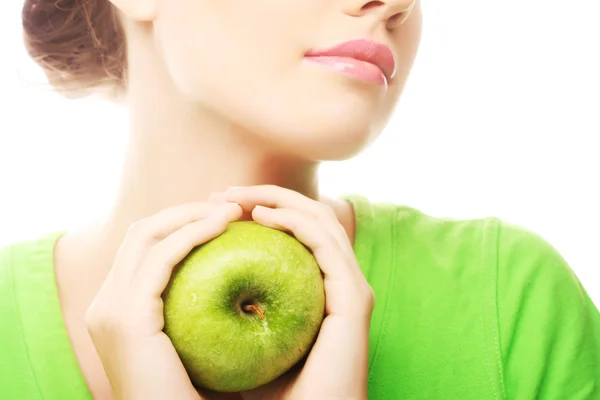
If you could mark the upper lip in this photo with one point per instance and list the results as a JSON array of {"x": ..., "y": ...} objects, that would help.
[{"x": 364, "y": 50}]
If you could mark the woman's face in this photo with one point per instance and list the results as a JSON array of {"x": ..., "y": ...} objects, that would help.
[{"x": 247, "y": 60}]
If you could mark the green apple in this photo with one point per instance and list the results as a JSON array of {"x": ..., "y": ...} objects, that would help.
[{"x": 244, "y": 308}]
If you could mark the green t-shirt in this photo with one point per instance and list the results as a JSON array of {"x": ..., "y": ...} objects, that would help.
[{"x": 466, "y": 310}]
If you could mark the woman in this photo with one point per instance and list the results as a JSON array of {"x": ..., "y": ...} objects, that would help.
[{"x": 233, "y": 105}]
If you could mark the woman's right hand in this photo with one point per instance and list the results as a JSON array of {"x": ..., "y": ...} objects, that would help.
[{"x": 126, "y": 320}]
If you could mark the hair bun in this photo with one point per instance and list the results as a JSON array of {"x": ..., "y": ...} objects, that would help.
[{"x": 78, "y": 43}]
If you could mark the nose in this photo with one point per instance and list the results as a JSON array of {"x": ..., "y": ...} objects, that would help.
[{"x": 390, "y": 12}]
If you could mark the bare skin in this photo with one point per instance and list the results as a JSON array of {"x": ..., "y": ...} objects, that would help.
[
  {"x": 79, "y": 285},
  {"x": 196, "y": 128}
]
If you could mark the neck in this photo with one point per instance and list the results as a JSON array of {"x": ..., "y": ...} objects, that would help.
[
  {"x": 191, "y": 165},
  {"x": 179, "y": 152}
]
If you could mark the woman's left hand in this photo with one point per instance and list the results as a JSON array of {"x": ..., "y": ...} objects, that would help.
[{"x": 337, "y": 365}]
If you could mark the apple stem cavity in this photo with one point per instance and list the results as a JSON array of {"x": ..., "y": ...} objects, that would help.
[{"x": 256, "y": 309}]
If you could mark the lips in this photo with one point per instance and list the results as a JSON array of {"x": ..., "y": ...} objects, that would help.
[{"x": 364, "y": 50}]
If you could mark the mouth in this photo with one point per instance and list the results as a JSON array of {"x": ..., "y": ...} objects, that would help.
[{"x": 360, "y": 58}]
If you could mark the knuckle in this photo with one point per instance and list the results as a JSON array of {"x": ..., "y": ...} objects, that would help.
[
  {"x": 290, "y": 219},
  {"x": 221, "y": 223},
  {"x": 90, "y": 320},
  {"x": 218, "y": 223},
  {"x": 328, "y": 239},
  {"x": 139, "y": 228},
  {"x": 325, "y": 210},
  {"x": 365, "y": 293},
  {"x": 106, "y": 312},
  {"x": 369, "y": 296},
  {"x": 108, "y": 320},
  {"x": 200, "y": 210},
  {"x": 100, "y": 317},
  {"x": 143, "y": 229}
]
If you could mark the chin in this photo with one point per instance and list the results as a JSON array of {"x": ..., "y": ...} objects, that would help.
[
  {"x": 321, "y": 137},
  {"x": 333, "y": 123},
  {"x": 320, "y": 119}
]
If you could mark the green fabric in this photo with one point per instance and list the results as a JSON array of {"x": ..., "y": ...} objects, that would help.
[
  {"x": 473, "y": 310},
  {"x": 466, "y": 310},
  {"x": 36, "y": 360}
]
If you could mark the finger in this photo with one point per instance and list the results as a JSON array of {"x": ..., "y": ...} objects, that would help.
[
  {"x": 338, "y": 360},
  {"x": 347, "y": 292},
  {"x": 145, "y": 233},
  {"x": 155, "y": 273},
  {"x": 324, "y": 246},
  {"x": 273, "y": 196},
  {"x": 167, "y": 221}
]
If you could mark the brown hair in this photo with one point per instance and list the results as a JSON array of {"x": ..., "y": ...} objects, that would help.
[{"x": 80, "y": 44}]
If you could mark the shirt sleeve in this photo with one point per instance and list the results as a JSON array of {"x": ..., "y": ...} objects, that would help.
[{"x": 549, "y": 328}]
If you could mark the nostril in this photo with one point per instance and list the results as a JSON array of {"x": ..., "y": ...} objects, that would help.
[{"x": 371, "y": 4}]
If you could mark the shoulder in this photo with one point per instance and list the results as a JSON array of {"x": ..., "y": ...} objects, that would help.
[
  {"x": 541, "y": 329},
  {"x": 431, "y": 240},
  {"x": 549, "y": 328},
  {"x": 527, "y": 263},
  {"x": 25, "y": 273},
  {"x": 29, "y": 250},
  {"x": 521, "y": 264},
  {"x": 505, "y": 247},
  {"x": 26, "y": 262}
]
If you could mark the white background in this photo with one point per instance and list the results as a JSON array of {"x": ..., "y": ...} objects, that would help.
[{"x": 501, "y": 117}]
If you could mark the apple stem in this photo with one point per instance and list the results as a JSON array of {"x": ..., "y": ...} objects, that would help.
[{"x": 256, "y": 309}]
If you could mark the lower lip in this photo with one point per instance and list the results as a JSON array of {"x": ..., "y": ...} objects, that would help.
[{"x": 350, "y": 66}]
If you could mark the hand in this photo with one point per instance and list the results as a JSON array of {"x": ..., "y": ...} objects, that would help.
[
  {"x": 337, "y": 365},
  {"x": 125, "y": 321}
]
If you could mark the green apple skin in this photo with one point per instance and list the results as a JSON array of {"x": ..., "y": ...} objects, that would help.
[{"x": 223, "y": 347}]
